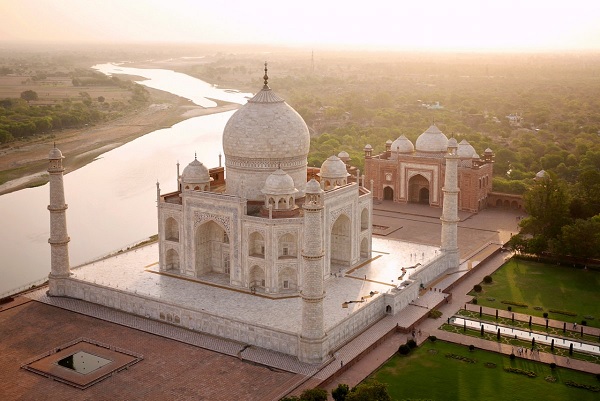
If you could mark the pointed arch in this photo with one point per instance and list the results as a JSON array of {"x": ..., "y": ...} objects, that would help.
[
  {"x": 211, "y": 251},
  {"x": 256, "y": 245},
  {"x": 364, "y": 248},
  {"x": 418, "y": 189},
  {"x": 287, "y": 246},
  {"x": 364, "y": 219},
  {"x": 172, "y": 261},
  {"x": 388, "y": 193},
  {"x": 340, "y": 241},
  {"x": 257, "y": 277},
  {"x": 171, "y": 229},
  {"x": 288, "y": 279}
]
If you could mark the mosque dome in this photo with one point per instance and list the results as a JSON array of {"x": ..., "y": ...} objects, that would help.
[
  {"x": 403, "y": 145},
  {"x": 55, "y": 154},
  {"x": 452, "y": 143},
  {"x": 333, "y": 167},
  {"x": 195, "y": 173},
  {"x": 279, "y": 183},
  {"x": 465, "y": 149},
  {"x": 475, "y": 156},
  {"x": 432, "y": 140}
]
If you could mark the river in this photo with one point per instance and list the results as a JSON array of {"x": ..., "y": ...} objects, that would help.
[{"x": 112, "y": 201}]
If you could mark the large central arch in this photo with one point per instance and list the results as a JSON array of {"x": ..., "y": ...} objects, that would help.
[
  {"x": 341, "y": 242},
  {"x": 418, "y": 189},
  {"x": 212, "y": 249}
]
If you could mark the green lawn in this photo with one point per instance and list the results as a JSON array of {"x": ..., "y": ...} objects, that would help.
[
  {"x": 428, "y": 374},
  {"x": 547, "y": 287}
]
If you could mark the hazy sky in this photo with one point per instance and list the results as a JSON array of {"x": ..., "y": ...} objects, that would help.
[{"x": 382, "y": 24}]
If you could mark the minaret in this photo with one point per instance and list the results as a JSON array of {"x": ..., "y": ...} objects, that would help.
[
  {"x": 59, "y": 240},
  {"x": 313, "y": 335},
  {"x": 450, "y": 211}
]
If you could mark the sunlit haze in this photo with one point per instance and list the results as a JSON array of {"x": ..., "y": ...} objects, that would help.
[{"x": 509, "y": 25}]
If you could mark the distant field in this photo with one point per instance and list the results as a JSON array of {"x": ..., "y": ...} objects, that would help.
[
  {"x": 53, "y": 90},
  {"x": 545, "y": 286},
  {"x": 428, "y": 374}
]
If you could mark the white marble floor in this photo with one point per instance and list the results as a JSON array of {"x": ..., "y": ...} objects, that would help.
[{"x": 136, "y": 272}]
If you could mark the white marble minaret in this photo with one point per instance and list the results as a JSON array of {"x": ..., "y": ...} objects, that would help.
[
  {"x": 59, "y": 240},
  {"x": 450, "y": 211},
  {"x": 312, "y": 336}
]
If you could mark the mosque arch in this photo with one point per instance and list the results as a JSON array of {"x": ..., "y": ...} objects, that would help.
[
  {"x": 171, "y": 229},
  {"x": 172, "y": 260},
  {"x": 340, "y": 241},
  {"x": 388, "y": 309},
  {"x": 514, "y": 205},
  {"x": 211, "y": 250},
  {"x": 418, "y": 189},
  {"x": 256, "y": 245},
  {"x": 287, "y": 246},
  {"x": 288, "y": 279},
  {"x": 388, "y": 193},
  {"x": 364, "y": 219},
  {"x": 498, "y": 202},
  {"x": 506, "y": 203},
  {"x": 257, "y": 277}
]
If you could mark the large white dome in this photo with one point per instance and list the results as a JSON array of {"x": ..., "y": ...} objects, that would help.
[
  {"x": 432, "y": 140},
  {"x": 263, "y": 135},
  {"x": 266, "y": 127}
]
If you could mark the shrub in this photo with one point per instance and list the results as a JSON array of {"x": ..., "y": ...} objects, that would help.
[
  {"x": 545, "y": 314},
  {"x": 487, "y": 279},
  {"x": 527, "y": 373},
  {"x": 477, "y": 288},
  {"x": 512, "y": 356},
  {"x": 411, "y": 344},
  {"x": 584, "y": 322},
  {"x": 563, "y": 312},
  {"x": 471, "y": 347},
  {"x": 404, "y": 349},
  {"x": 339, "y": 393},
  {"x": 474, "y": 301},
  {"x": 509, "y": 308},
  {"x": 571, "y": 383},
  {"x": 434, "y": 314},
  {"x": 461, "y": 358},
  {"x": 314, "y": 394},
  {"x": 432, "y": 338},
  {"x": 515, "y": 304}
]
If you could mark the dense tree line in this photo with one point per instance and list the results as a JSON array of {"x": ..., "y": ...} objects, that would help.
[{"x": 19, "y": 119}]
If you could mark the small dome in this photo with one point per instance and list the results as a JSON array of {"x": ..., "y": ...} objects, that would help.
[
  {"x": 475, "y": 156},
  {"x": 333, "y": 167},
  {"x": 488, "y": 151},
  {"x": 368, "y": 147},
  {"x": 465, "y": 149},
  {"x": 452, "y": 143},
  {"x": 279, "y": 183},
  {"x": 344, "y": 156},
  {"x": 403, "y": 145},
  {"x": 313, "y": 187},
  {"x": 388, "y": 142},
  {"x": 432, "y": 140},
  {"x": 55, "y": 154},
  {"x": 195, "y": 173}
]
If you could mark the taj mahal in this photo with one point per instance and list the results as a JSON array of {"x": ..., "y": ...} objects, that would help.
[{"x": 268, "y": 252}]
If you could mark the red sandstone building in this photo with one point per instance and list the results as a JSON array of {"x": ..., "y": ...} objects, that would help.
[{"x": 408, "y": 174}]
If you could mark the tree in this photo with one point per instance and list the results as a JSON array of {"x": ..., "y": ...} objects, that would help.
[
  {"x": 370, "y": 391},
  {"x": 547, "y": 203},
  {"x": 340, "y": 392},
  {"x": 101, "y": 99},
  {"x": 29, "y": 95},
  {"x": 580, "y": 239}
]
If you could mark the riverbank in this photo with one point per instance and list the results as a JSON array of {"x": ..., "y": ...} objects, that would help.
[{"x": 24, "y": 164}]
